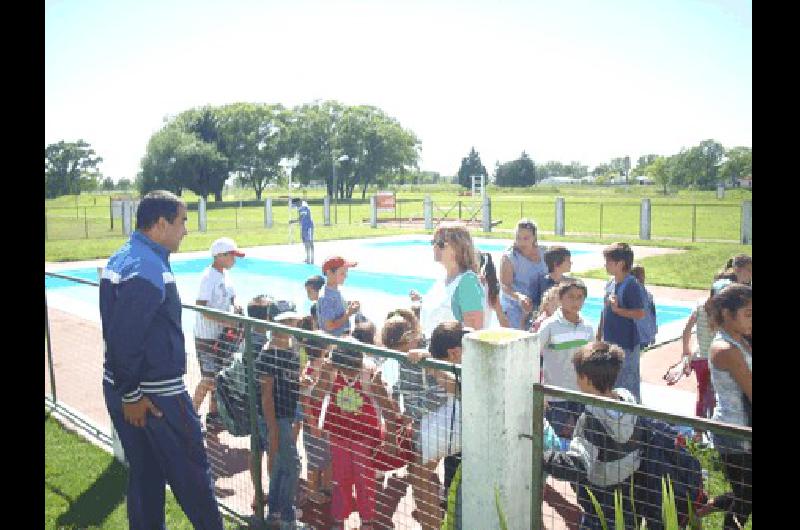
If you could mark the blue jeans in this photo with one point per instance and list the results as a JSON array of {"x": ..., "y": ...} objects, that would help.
[
  {"x": 285, "y": 474},
  {"x": 629, "y": 377}
]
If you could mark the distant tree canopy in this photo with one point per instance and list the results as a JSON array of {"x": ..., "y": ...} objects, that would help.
[
  {"x": 201, "y": 148},
  {"x": 519, "y": 172},
  {"x": 471, "y": 165},
  {"x": 70, "y": 168}
]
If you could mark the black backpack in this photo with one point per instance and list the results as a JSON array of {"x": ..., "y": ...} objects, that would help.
[
  {"x": 662, "y": 455},
  {"x": 231, "y": 395}
]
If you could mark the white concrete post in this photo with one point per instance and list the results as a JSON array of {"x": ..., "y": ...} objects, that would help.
[
  {"x": 427, "y": 207},
  {"x": 644, "y": 219},
  {"x": 747, "y": 223},
  {"x": 559, "y": 216},
  {"x": 498, "y": 368},
  {"x": 127, "y": 217},
  {"x": 373, "y": 212},
  {"x": 720, "y": 191},
  {"x": 268, "y": 212},
  {"x": 326, "y": 211},
  {"x": 201, "y": 215},
  {"x": 486, "y": 209}
]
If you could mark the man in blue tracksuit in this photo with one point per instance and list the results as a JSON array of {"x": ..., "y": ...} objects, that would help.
[{"x": 145, "y": 361}]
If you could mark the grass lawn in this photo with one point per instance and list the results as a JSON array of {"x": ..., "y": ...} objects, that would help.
[{"x": 84, "y": 486}]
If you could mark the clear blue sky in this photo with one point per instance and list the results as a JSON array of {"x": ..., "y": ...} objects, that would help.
[{"x": 566, "y": 80}]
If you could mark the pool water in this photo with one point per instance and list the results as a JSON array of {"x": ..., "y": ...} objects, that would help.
[
  {"x": 480, "y": 245},
  {"x": 378, "y": 292}
]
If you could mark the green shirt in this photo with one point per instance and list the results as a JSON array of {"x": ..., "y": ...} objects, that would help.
[{"x": 468, "y": 296}]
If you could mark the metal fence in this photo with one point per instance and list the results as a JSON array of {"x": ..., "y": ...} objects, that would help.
[
  {"x": 366, "y": 432},
  {"x": 670, "y": 221},
  {"x": 624, "y": 453}
]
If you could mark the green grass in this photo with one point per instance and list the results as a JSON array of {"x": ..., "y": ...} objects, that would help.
[{"x": 84, "y": 486}]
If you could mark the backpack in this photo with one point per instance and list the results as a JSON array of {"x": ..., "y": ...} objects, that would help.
[
  {"x": 663, "y": 454},
  {"x": 231, "y": 395}
]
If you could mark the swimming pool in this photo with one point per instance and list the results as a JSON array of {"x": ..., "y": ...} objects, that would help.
[
  {"x": 378, "y": 292},
  {"x": 485, "y": 246}
]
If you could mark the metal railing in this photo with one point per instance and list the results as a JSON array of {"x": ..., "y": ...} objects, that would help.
[{"x": 547, "y": 511}]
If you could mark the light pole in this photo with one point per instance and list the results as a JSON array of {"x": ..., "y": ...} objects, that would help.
[{"x": 336, "y": 195}]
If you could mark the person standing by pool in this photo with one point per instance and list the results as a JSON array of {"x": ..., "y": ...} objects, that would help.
[
  {"x": 306, "y": 227},
  {"x": 623, "y": 305},
  {"x": 459, "y": 296},
  {"x": 520, "y": 268},
  {"x": 334, "y": 315},
  {"x": 145, "y": 361},
  {"x": 216, "y": 292}
]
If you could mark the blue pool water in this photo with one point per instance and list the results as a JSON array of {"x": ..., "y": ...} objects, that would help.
[
  {"x": 484, "y": 246},
  {"x": 379, "y": 293}
]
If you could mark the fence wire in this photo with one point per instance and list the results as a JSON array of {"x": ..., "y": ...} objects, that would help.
[
  {"x": 357, "y": 437},
  {"x": 601, "y": 448}
]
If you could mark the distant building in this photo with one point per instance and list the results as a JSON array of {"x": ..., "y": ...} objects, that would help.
[
  {"x": 745, "y": 182},
  {"x": 644, "y": 181}
]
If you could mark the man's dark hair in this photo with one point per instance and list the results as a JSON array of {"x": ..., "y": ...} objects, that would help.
[
  {"x": 365, "y": 332},
  {"x": 619, "y": 252},
  {"x": 600, "y": 362},
  {"x": 555, "y": 256},
  {"x": 571, "y": 283},
  {"x": 156, "y": 204}
]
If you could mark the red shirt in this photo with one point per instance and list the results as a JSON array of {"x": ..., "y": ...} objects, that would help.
[{"x": 351, "y": 414}]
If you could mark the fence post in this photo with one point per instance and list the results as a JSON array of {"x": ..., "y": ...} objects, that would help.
[
  {"x": 85, "y": 222},
  {"x": 350, "y": 211},
  {"x": 459, "y": 209},
  {"x": 486, "y": 210},
  {"x": 373, "y": 212},
  {"x": 201, "y": 215},
  {"x": 601, "y": 220},
  {"x": 537, "y": 472},
  {"x": 427, "y": 208},
  {"x": 127, "y": 211},
  {"x": 49, "y": 349},
  {"x": 498, "y": 368},
  {"x": 720, "y": 191},
  {"x": 644, "y": 219},
  {"x": 268, "y": 212},
  {"x": 520, "y": 210},
  {"x": 559, "y": 216},
  {"x": 747, "y": 223},
  {"x": 45, "y": 225},
  {"x": 252, "y": 402},
  {"x": 236, "y": 218},
  {"x": 326, "y": 210},
  {"x": 111, "y": 211},
  {"x": 694, "y": 222}
]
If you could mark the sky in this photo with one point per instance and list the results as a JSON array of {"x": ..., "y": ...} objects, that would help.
[{"x": 580, "y": 80}]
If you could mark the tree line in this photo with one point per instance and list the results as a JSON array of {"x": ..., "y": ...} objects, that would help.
[
  {"x": 703, "y": 166},
  {"x": 344, "y": 147}
]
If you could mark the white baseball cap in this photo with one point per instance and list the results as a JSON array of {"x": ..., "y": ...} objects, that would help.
[{"x": 225, "y": 244}]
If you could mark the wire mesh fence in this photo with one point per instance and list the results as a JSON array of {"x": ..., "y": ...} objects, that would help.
[
  {"x": 327, "y": 430},
  {"x": 602, "y": 456},
  {"x": 296, "y": 422}
]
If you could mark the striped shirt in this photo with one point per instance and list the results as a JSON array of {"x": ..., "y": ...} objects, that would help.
[{"x": 559, "y": 339}]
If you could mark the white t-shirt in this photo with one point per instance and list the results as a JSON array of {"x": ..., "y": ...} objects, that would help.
[{"x": 218, "y": 292}]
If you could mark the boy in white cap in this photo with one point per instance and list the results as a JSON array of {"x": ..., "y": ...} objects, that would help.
[{"x": 216, "y": 292}]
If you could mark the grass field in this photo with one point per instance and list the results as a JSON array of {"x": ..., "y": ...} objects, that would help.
[
  {"x": 84, "y": 486},
  {"x": 70, "y": 219}
]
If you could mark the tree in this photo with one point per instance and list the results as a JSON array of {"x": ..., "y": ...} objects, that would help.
[
  {"x": 256, "y": 137},
  {"x": 201, "y": 167},
  {"x": 660, "y": 172},
  {"x": 312, "y": 135},
  {"x": 642, "y": 163},
  {"x": 204, "y": 124},
  {"x": 601, "y": 169},
  {"x": 68, "y": 168},
  {"x": 124, "y": 184},
  {"x": 159, "y": 170},
  {"x": 519, "y": 172},
  {"x": 738, "y": 164},
  {"x": 711, "y": 153},
  {"x": 108, "y": 184},
  {"x": 470, "y": 165}
]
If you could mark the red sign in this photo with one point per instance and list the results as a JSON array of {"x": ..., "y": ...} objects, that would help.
[{"x": 385, "y": 201}]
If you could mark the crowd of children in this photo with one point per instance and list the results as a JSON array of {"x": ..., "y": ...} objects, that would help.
[{"x": 356, "y": 427}]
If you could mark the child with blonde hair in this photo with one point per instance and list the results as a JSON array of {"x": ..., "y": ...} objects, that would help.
[{"x": 550, "y": 302}]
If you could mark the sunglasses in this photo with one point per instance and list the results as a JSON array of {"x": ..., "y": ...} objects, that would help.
[{"x": 438, "y": 242}]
